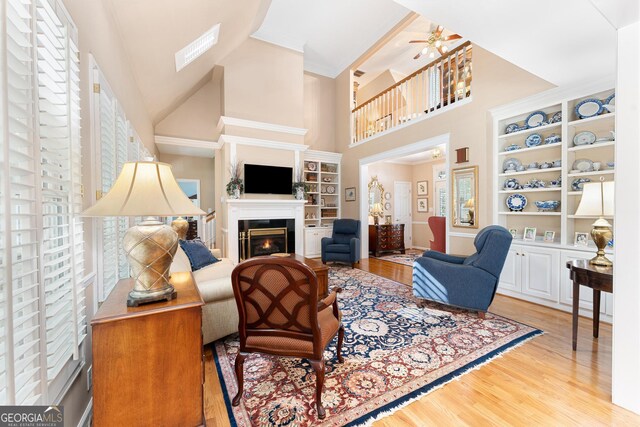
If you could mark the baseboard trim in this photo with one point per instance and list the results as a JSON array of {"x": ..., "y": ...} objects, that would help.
[{"x": 85, "y": 420}]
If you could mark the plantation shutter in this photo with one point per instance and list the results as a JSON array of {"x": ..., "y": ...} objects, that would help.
[
  {"x": 122, "y": 153},
  {"x": 39, "y": 236},
  {"x": 22, "y": 292}
]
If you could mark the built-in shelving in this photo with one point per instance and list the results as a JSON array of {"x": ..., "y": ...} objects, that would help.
[
  {"x": 529, "y": 131},
  {"x": 530, "y": 149}
]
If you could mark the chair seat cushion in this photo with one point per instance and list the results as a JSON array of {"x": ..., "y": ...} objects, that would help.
[
  {"x": 339, "y": 248},
  {"x": 328, "y": 328}
]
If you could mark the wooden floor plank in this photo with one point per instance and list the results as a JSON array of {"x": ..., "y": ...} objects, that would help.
[{"x": 542, "y": 382}]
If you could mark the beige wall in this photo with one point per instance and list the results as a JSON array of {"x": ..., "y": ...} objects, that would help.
[
  {"x": 202, "y": 168},
  {"x": 264, "y": 82},
  {"x": 197, "y": 117},
  {"x": 387, "y": 174},
  {"x": 496, "y": 82},
  {"x": 97, "y": 35},
  {"x": 319, "y": 117},
  {"x": 422, "y": 234},
  {"x": 385, "y": 80}
]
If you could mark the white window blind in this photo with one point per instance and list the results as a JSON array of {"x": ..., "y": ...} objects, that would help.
[
  {"x": 40, "y": 266},
  {"x": 119, "y": 143}
]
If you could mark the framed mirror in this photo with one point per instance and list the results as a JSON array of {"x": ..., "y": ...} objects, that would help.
[
  {"x": 376, "y": 196},
  {"x": 464, "y": 200}
]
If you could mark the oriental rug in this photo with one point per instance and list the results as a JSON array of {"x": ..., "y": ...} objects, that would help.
[
  {"x": 407, "y": 258},
  {"x": 395, "y": 352}
]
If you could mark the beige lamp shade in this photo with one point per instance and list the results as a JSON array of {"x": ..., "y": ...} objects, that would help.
[
  {"x": 597, "y": 199},
  {"x": 145, "y": 189},
  {"x": 470, "y": 203}
]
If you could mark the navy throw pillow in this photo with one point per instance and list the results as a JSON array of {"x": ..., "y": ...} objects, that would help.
[{"x": 199, "y": 255}]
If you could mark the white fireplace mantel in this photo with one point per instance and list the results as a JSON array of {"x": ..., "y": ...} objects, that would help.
[{"x": 246, "y": 209}]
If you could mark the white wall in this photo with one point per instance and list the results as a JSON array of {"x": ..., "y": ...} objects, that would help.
[{"x": 626, "y": 295}]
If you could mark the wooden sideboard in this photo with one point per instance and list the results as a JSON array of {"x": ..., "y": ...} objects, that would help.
[
  {"x": 148, "y": 366},
  {"x": 385, "y": 238}
]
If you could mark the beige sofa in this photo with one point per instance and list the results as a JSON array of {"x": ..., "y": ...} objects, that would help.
[{"x": 220, "y": 313}]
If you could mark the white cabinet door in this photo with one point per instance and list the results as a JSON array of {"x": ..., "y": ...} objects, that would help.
[
  {"x": 586, "y": 294},
  {"x": 540, "y": 273},
  {"x": 510, "y": 276},
  {"x": 311, "y": 243}
]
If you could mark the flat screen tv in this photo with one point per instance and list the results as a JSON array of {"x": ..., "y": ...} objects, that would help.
[{"x": 261, "y": 179}]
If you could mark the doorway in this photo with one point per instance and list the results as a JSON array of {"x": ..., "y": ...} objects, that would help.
[
  {"x": 423, "y": 152},
  {"x": 402, "y": 209}
]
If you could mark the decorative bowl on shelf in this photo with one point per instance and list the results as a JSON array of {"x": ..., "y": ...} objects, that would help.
[
  {"x": 512, "y": 147},
  {"x": 511, "y": 184},
  {"x": 611, "y": 164},
  {"x": 578, "y": 183},
  {"x": 547, "y": 205},
  {"x": 552, "y": 139}
]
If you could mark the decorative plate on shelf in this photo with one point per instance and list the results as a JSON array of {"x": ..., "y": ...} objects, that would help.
[
  {"x": 533, "y": 140},
  {"x": 588, "y": 108},
  {"x": 387, "y": 196},
  {"x": 583, "y": 165},
  {"x": 516, "y": 202},
  {"x": 578, "y": 183},
  {"x": 513, "y": 127},
  {"x": 584, "y": 138},
  {"x": 331, "y": 189},
  {"x": 556, "y": 118},
  {"x": 311, "y": 166},
  {"x": 552, "y": 139},
  {"x": 512, "y": 147},
  {"x": 387, "y": 206},
  {"x": 611, "y": 100},
  {"x": 511, "y": 165},
  {"x": 535, "y": 119},
  {"x": 511, "y": 184}
]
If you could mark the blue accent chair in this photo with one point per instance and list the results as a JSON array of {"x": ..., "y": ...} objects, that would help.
[
  {"x": 469, "y": 282},
  {"x": 344, "y": 245}
]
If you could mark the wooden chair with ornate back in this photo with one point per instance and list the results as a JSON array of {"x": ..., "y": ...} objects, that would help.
[{"x": 280, "y": 315}]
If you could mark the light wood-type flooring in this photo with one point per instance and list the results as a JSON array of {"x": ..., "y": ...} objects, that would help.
[{"x": 541, "y": 383}]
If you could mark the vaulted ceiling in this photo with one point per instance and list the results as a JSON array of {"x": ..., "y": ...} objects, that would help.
[{"x": 152, "y": 31}]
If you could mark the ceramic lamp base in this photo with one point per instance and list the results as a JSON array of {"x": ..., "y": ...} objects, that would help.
[
  {"x": 150, "y": 247},
  {"x": 601, "y": 236}
]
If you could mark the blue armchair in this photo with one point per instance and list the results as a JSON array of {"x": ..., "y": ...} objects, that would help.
[
  {"x": 469, "y": 282},
  {"x": 344, "y": 245}
]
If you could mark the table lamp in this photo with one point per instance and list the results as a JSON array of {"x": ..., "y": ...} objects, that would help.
[
  {"x": 470, "y": 205},
  {"x": 597, "y": 200},
  {"x": 147, "y": 189},
  {"x": 376, "y": 212}
]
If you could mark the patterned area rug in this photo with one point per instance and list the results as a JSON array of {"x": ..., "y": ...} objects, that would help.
[
  {"x": 395, "y": 352},
  {"x": 406, "y": 258}
]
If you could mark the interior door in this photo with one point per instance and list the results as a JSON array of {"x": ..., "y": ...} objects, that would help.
[{"x": 402, "y": 209}]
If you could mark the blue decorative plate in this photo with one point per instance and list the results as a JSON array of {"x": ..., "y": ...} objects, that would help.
[
  {"x": 588, "y": 108},
  {"x": 513, "y": 127},
  {"x": 511, "y": 184},
  {"x": 556, "y": 118},
  {"x": 610, "y": 99},
  {"x": 578, "y": 183},
  {"x": 535, "y": 119},
  {"x": 516, "y": 202},
  {"x": 533, "y": 140},
  {"x": 512, "y": 147},
  {"x": 511, "y": 165}
]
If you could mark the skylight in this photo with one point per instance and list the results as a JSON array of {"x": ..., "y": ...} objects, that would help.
[{"x": 197, "y": 47}]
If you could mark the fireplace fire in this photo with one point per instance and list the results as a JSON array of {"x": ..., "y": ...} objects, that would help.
[{"x": 263, "y": 241}]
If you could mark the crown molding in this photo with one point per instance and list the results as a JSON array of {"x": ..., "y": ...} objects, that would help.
[
  {"x": 322, "y": 156},
  {"x": 186, "y": 147},
  {"x": 265, "y": 143},
  {"x": 252, "y": 124}
]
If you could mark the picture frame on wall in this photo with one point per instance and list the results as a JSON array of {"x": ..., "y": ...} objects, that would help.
[
  {"x": 191, "y": 189},
  {"x": 387, "y": 219},
  {"x": 514, "y": 232},
  {"x": 581, "y": 239},
  {"x": 423, "y": 205},
  {"x": 422, "y": 188},
  {"x": 549, "y": 236},
  {"x": 350, "y": 194},
  {"x": 529, "y": 234}
]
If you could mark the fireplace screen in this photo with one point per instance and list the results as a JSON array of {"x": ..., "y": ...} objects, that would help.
[{"x": 264, "y": 241}]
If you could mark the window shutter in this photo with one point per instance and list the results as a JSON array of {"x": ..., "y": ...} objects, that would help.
[
  {"x": 22, "y": 293},
  {"x": 122, "y": 138}
]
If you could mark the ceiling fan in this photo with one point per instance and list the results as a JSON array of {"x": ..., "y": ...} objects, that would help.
[{"x": 435, "y": 41}]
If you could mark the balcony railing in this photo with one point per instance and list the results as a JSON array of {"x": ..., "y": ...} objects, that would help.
[{"x": 442, "y": 82}]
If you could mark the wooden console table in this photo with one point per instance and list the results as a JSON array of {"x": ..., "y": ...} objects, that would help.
[
  {"x": 385, "y": 238},
  {"x": 597, "y": 278},
  {"x": 148, "y": 363}
]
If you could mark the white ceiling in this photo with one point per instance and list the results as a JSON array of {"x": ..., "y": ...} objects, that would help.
[
  {"x": 398, "y": 53},
  {"x": 561, "y": 41},
  {"x": 152, "y": 32},
  {"x": 331, "y": 33},
  {"x": 619, "y": 13}
]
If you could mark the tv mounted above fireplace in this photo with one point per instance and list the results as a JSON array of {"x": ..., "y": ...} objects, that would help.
[{"x": 262, "y": 179}]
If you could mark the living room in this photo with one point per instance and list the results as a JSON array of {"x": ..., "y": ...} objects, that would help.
[{"x": 271, "y": 101}]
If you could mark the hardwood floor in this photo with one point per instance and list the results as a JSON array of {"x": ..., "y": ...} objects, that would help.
[{"x": 542, "y": 382}]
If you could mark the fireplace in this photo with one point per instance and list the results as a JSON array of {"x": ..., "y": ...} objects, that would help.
[{"x": 265, "y": 237}]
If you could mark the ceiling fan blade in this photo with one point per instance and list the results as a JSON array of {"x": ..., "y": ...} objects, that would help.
[
  {"x": 438, "y": 31},
  {"x": 440, "y": 50},
  {"x": 452, "y": 37},
  {"x": 418, "y": 41},
  {"x": 418, "y": 55}
]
